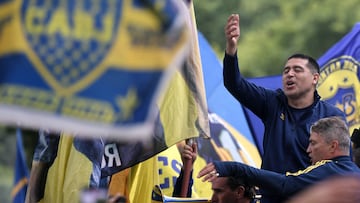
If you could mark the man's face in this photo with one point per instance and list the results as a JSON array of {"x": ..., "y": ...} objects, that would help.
[
  {"x": 222, "y": 193},
  {"x": 297, "y": 78},
  {"x": 318, "y": 149}
]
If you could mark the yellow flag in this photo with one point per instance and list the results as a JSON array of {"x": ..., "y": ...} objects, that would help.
[
  {"x": 68, "y": 175},
  {"x": 183, "y": 114}
]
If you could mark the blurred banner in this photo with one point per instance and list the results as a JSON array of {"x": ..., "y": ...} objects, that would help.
[
  {"x": 338, "y": 84},
  {"x": 21, "y": 177},
  {"x": 88, "y": 68}
]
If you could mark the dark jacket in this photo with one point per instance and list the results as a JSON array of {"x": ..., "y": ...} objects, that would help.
[{"x": 286, "y": 185}]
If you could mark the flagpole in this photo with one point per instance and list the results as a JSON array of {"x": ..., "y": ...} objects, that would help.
[{"x": 187, "y": 168}]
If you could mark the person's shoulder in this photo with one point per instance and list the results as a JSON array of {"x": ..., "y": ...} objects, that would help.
[
  {"x": 335, "y": 111},
  {"x": 326, "y": 103},
  {"x": 279, "y": 93}
]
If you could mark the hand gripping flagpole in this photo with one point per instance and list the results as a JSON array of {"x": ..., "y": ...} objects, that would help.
[{"x": 187, "y": 168}]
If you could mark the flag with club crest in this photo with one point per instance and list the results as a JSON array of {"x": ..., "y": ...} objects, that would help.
[{"x": 88, "y": 68}]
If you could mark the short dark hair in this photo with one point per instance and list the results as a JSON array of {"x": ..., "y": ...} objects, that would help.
[
  {"x": 356, "y": 156},
  {"x": 312, "y": 63},
  {"x": 234, "y": 182},
  {"x": 355, "y": 138}
]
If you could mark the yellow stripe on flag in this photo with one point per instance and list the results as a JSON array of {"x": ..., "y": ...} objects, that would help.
[{"x": 23, "y": 182}]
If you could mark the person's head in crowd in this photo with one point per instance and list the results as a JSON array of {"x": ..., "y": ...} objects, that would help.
[
  {"x": 355, "y": 138},
  {"x": 329, "y": 138},
  {"x": 231, "y": 189}
]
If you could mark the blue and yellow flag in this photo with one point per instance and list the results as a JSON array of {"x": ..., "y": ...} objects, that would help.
[
  {"x": 339, "y": 82},
  {"x": 21, "y": 179},
  {"x": 88, "y": 68},
  {"x": 183, "y": 114}
]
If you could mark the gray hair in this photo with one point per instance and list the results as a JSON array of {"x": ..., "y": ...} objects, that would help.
[{"x": 333, "y": 128}]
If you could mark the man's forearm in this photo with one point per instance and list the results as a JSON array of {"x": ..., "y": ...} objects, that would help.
[{"x": 36, "y": 186}]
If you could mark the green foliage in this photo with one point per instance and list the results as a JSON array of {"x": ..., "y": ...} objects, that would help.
[
  {"x": 6, "y": 177},
  {"x": 7, "y": 147},
  {"x": 7, "y": 161},
  {"x": 273, "y": 30},
  {"x": 8, "y": 155}
]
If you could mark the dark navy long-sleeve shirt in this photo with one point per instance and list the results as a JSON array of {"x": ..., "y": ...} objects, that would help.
[
  {"x": 287, "y": 130},
  {"x": 286, "y": 185}
]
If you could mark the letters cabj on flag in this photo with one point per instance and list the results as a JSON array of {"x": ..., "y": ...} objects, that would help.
[{"x": 88, "y": 68}]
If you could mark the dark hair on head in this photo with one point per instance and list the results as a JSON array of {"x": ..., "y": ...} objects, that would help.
[
  {"x": 355, "y": 138},
  {"x": 356, "y": 156},
  {"x": 312, "y": 63},
  {"x": 235, "y": 182}
]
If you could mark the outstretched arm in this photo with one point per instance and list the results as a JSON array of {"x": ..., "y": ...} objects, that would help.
[{"x": 269, "y": 180}]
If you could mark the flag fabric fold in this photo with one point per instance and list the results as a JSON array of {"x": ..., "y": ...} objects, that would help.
[{"x": 75, "y": 169}]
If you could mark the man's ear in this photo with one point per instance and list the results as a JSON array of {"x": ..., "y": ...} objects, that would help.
[
  {"x": 240, "y": 192},
  {"x": 316, "y": 77},
  {"x": 334, "y": 145}
]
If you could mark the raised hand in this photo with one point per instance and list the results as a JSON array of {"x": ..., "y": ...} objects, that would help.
[
  {"x": 208, "y": 173},
  {"x": 232, "y": 33}
]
